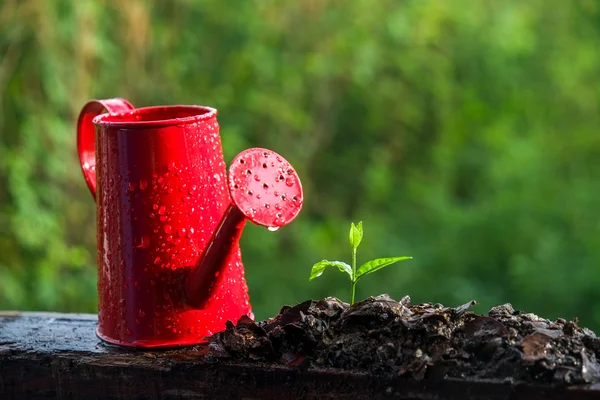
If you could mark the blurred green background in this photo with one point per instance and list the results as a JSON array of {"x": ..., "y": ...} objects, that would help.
[{"x": 463, "y": 133}]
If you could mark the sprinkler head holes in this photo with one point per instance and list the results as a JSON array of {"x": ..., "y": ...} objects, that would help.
[{"x": 265, "y": 188}]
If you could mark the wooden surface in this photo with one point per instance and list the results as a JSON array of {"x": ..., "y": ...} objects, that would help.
[{"x": 46, "y": 355}]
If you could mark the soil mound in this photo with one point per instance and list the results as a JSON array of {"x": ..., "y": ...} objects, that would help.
[{"x": 384, "y": 336}]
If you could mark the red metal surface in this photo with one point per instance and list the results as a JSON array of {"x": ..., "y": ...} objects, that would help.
[
  {"x": 208, "y": 273},
  {"x": 265, "y": 189},
  {"x": 86, "y": 144},
  {"x": 159, "y": 180}
]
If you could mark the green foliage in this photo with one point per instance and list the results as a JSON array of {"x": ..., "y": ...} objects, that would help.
[
  {"x": 356, "y": 235},
  {"x": 318, "y": 269},
  {"x": 377, "y": 264},
  {"x": 465, "y": 131}
]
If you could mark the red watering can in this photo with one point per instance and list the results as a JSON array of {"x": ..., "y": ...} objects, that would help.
[{"x": 169, "y": 219}]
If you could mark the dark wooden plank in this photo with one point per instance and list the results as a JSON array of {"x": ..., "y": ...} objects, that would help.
[{"x": 48, "y": 355}]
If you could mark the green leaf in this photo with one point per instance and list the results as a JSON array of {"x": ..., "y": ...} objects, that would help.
[
  {"x": 356, "y": 234},
  {"x": 318, "y": 268},
  {"x": 377, "y": 264}
]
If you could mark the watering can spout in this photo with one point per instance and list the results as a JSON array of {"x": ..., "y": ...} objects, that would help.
[{"x": 265, "y": 189}]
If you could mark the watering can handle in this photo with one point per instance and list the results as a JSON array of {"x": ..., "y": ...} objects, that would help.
[{"x": 86, "y": 146}]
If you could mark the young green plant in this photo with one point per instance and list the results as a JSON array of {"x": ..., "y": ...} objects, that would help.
[{"x": 356, "y": 235}]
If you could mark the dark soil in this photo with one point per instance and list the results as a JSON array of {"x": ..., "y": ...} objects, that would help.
[{"x": 387, "y": 337}]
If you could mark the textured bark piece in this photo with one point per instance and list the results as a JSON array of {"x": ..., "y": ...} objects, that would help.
[{"x": 47, "y": 355}]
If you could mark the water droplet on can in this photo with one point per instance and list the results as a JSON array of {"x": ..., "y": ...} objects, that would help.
[
  {"x": 144, "y": 242},
  {"x": 168, "y": 229}
]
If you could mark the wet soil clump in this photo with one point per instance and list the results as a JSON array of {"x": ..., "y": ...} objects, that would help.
[{"x": 395, "y": 338}]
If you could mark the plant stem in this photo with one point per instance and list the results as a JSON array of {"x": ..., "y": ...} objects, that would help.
[{"x": 353, "y": 283}]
